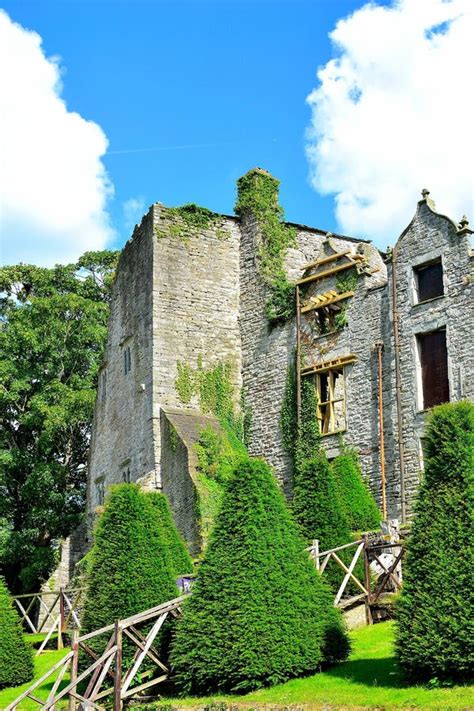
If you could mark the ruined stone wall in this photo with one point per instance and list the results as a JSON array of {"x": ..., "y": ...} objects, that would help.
[
  {"x": 122, "y": 440},
  {"x": 429, "y": 236}
]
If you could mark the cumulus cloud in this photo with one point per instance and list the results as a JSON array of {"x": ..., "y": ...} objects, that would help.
[
  {"x": 133, "y": 210},
  {"x": 392, "y": 114},
  {"x": 53, "y": 184}
]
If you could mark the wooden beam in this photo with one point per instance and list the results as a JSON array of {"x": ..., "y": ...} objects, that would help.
[
  {"x": 326, "y": 273},
  {"x": 325, "y": 260},
  {"x": 327, "y": 302},
  {"x": 329, "y": 364}
]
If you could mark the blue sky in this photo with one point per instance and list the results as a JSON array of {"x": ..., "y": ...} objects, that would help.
[{"x": 190, "y": 95}]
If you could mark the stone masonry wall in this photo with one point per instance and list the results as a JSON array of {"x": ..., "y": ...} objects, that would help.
[
  {"x": 122, "y": 441},
  {"x": 429, "y": 236}
]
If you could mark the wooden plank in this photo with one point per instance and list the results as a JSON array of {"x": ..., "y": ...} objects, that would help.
[
  {"x": 136, "y": 689},
  {"x": 47, "y": 638},
  {"x": 345, "y": 568},
  {"x": 348, "y": 574},
  {"x": 152, "y": 652},
  {"x": 326, "y": 273},
  {"x": 328, "y": 302},
  {"x": 329, "y": 364},
  {"x": 326, "y": 260},
  {"x": 25, "y": 616},
  {"x": 149, "y": 641},
  {"x": 38, "y": 682}
]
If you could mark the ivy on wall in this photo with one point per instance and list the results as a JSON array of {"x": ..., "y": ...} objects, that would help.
[
  {"x": 344, "y": 282},
  {"x": 189, "y": 219},
  {"x": 258, "y": 195}
]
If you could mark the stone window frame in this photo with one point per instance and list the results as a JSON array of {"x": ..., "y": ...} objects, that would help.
[
  {"x": 330, "y": 402},
  {"x": 418, "y": 263},
  {"x": 100, "y": 490},
  {"x": 429, "y": 327},
  {"x": 126, "y": 345}
]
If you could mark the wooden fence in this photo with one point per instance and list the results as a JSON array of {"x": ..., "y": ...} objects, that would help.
[
  {"x": 108, "y": 674},
  {"x": 51, "y": 611},
  {"x": 369, "y": 552}
]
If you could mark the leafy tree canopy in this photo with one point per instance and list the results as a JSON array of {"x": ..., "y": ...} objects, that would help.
[{"x": 52, "y": 336}]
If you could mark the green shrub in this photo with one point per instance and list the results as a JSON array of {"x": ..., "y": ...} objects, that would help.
[
  {"x": 435, "y": 638},
  {"x": 177, "y": 553},
  {"x": 357, "y": 502},
  {"x": 16, "y": 657},
  {"x": 129, "y": 566},
  {"x": 259, "y": 613}
]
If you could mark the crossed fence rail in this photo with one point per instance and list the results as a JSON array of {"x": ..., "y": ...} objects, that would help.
[
  {"x": 109, "y": 674},
  {"x": 51, "y": 612}
]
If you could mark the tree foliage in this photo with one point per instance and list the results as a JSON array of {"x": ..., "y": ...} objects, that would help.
[
  {"x": 435, "y": 612},
  {"x": 357, "y": 501},
  {"x": 16, "y": 658},
  {"x": 129, "y": 568},
  {"x": 52, "y": 335},
  {"x": 259, "y": 613},
  {"x": 177, "y": 553}
]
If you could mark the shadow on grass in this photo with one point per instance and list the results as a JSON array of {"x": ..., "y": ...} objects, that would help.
[{"x": 371, "y": 672}]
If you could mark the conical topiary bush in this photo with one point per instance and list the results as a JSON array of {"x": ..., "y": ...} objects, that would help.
[
  {"x": 16, "y": 658},
  {"x": 259, "y": 612},
  {"x": 435, "y": 620},
  {"x": 178, "y": 555},
  {"x": 357, "y": 502},
  {"x": 129, "y": 570}
]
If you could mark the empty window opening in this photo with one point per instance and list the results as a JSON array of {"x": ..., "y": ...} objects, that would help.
[
  {"x": 330, "y": 389},
  {"x": 429, "y": 281},
  {"x": 433, "y": 360},
  {"x": 100, "y": 491},
  {"x": 126, "y": 475},
  {"x": 127, "y": 360}
]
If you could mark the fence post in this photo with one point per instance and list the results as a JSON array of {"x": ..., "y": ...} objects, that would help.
[
  {"x": 118, "y": 668},
  {"x": 61, "y": 618},
  {"x": 368, "y": 612},
  {"x": 74, "y": 667},
  {"x": 315, "y": 552}
]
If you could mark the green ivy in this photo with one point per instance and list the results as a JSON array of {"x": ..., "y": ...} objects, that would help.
[
  {"x": 258, "y": 195},
  {"x": 184, "y": 383},
  {"x": 302, "y": 442},
  {"x": 344, "y": 282},
  {"x": 189, "y": 219}
]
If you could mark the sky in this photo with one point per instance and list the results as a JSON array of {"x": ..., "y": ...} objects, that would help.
[{"x": 108, "y": 106}]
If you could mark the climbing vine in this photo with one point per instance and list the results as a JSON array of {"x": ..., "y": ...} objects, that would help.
[
  {"x": 189, "y": 219},
  {"x": 300, "y": 442},
  {"x": 344, "y": 282},
  {"x": 258, "y": 195}
]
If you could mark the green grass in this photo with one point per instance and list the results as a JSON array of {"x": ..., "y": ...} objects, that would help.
[
  {"x": 42, "y": 663},
  {"x": 368, "y": 680}
]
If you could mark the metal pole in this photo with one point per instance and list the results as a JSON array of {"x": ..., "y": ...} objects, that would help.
[
  {"x": 379, "y": 347},
  {"x": 298, "y": 359},
  {"x": 398, "y": 384}
]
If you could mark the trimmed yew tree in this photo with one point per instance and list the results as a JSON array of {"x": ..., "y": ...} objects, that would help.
[
  {"x": 259, "y": 613},
  {"x": 435, "y": 621},
  {"x": 177, "y": 553},
  {"x": 357, "y": 501},
  {"x": 16, "y": 657},
  {"x": 316, "y": 503},
  {"x": 129, "y": 566}
]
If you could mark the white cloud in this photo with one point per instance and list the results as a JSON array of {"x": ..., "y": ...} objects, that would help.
[
  {"x": 133, "y": 210},
  {"x": 53, "y": 184},
  {"x": 392, "y": 114}
]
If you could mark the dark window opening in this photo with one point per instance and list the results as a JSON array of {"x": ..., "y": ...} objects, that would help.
[
  {"x": 100, "y": 491},
  {"x": 429, "y": 281},
  {"x": 127, "y": 360},
  {"x": 331, "y": 401},
  {"x": 434, "y": 368},
  {"x": 126, "y": 476}
]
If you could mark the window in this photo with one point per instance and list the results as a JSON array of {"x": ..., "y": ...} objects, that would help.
[
  {"x": 428, "y": 281},
  {"x": 330, "y": 391},
  {"x": 127, "y": 360},
  {"x": 126, "y": 475},
  {"x": 433, "y": 369},
  {"x": 100, "y": 491}
]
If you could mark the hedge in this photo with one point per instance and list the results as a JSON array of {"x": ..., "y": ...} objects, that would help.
[
  {"x": 357, "y": 501},
  {"x": 16, "y": 657},
  {"x": 259, "y": 613},
  {"x": 435, "y": 620},
  {"x": 177, "y": 553}
]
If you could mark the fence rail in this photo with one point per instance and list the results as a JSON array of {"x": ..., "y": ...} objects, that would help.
[
  {"x": 50, "y": 611},
  {"x": 370, "y": 552},
  {"x": 109, "y": 674}
]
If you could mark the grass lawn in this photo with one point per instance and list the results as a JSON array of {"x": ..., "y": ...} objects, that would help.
[
  {"x": 42, "y": 663},
  {"x": 368, "y": 680}
]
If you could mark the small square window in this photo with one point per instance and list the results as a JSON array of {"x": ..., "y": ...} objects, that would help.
[
  {"x": 127, "y": 360},
  {"x": 429, "y": 281}
]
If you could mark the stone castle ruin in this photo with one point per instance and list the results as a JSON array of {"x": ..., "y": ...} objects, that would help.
[{"x": 383, "y": 338}]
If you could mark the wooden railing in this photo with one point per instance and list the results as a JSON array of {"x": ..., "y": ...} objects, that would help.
[
  {"x": 369, "y": 552},
  {"x": 109, "y": 674},
  {"x": 50, "y": 611}
]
